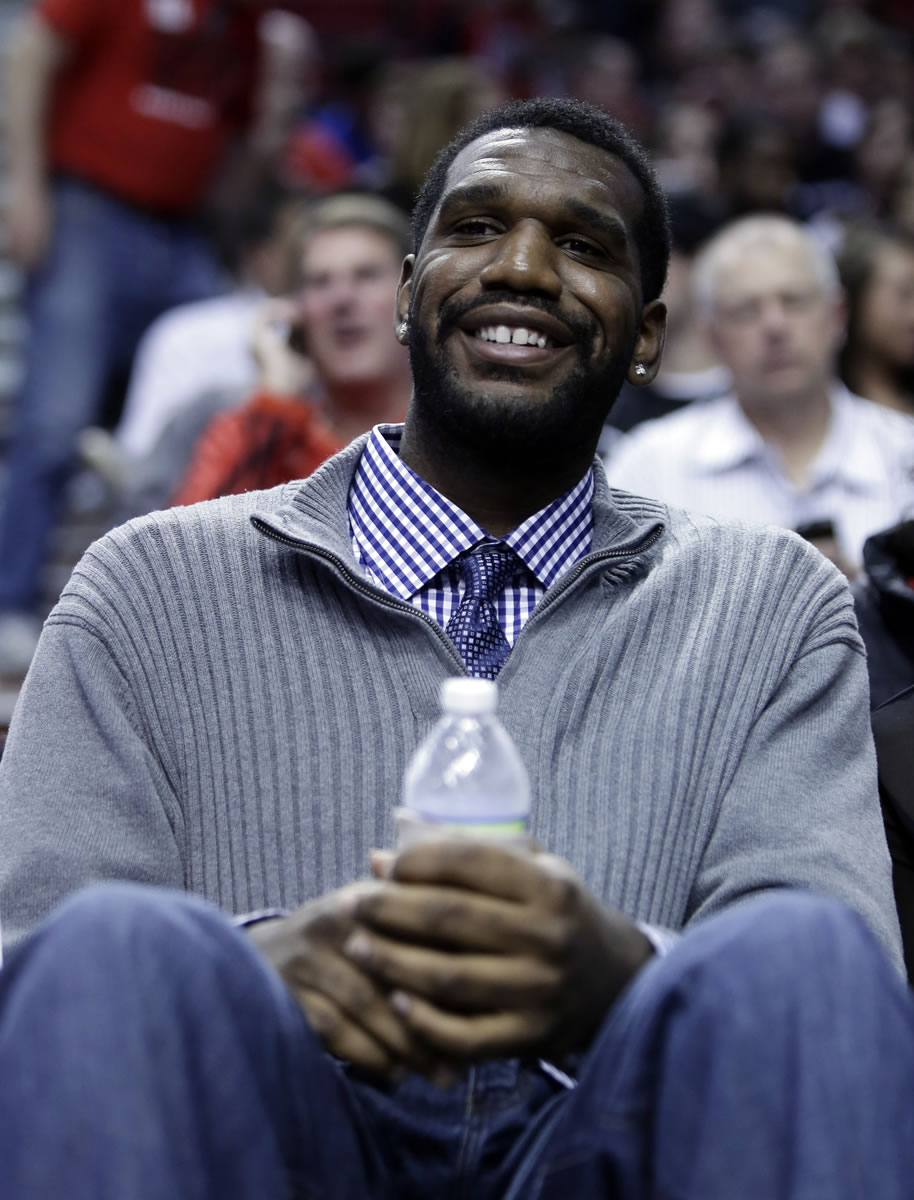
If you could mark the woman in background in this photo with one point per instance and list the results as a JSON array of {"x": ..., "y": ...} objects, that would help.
[{"x": 876, "y": 264}]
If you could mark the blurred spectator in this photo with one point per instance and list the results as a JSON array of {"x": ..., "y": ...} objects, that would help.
[
  {"x": 791, "y": 90},
  {"x": 205, "y": 346},
  {"x": 607, "y": 72},
  {"x": 876, "y": 263},
  {"x": 339, "y": 143},
  {"x": 885, "y": 150},
  {"x": 353, "y": 251},
  {"x": 690, "y": 370},
  {"x": 822, "y": 123},
  {"x": 683, "y": 150},
  {"x": 443, "y": 96},
  {"x": 900, "y": 199},
  {"x": 119, "y": 119},
  {"x": 853, "y": 50},
  {"x": 884, "y": 598},
  {"x": 788, "y": 445},
  {"x": 756, "y": 166},
  {"x": 288, "y": 82},
  {"x": 514, "y": 39},
  {"x": 688, "y": 34}
]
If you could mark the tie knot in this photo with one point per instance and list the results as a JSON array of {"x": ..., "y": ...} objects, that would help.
[{"x": 487, "y": 569}]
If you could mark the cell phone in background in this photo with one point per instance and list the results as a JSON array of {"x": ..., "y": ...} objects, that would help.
[
  {"x": 292, "y": 335},
  {"x": 817, "y": 531},
  {"x": 295, "y": 340},
  {"x": 822, "y": 535}
]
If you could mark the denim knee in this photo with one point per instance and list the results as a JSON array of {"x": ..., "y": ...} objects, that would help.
[
  {"x": 107, "y": 926},
  {"x": 780, "y": 951},
  {"x": 789, "y": 924},
  {"x": 117, "y": 906}
]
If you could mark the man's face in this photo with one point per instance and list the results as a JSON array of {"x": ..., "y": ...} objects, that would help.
[
  {"x": 772, "y": 323},
  {"x": 347, "y": 299},
  {"x": 524, "y": 303}
]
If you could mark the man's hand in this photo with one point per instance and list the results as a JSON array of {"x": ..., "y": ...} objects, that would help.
[
  {"x": 35, "y": 54},
  {"x": 491, "y": 951},
  {"x": 283, "y": 371},
  {"x": 346, "y": 1008},
  {"x": 28, "y": 221}
]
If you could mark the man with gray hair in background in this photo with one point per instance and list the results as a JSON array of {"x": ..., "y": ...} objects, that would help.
[{"x": 788, "y": 445}]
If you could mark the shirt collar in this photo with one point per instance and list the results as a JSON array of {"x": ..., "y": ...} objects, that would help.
[
  {"x": 729, "y": 438},
  {"x": 407, "y": 532},
  {"x": 849, "y": 453},
  {"x": 846, "y": 455}
]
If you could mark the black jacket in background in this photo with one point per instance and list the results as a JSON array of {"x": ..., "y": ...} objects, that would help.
[
  {"x": 885, "y": 611},
  {"x": 893, "y": 731}
]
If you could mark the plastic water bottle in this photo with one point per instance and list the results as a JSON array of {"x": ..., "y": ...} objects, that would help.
[{"x": 466, "y": 777}]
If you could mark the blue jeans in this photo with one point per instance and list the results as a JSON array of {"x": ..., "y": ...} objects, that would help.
[
  {"x": 110, "y": 270},
  {"x": 147, "y": 1052}
]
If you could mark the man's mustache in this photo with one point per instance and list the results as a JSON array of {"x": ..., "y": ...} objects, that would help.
[{"x": 454, "y": 311}]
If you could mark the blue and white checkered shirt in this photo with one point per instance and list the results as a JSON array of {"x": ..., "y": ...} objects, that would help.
[{"x": 406, "y": 536}]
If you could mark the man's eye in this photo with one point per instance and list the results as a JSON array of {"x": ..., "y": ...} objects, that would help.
[
  {"x": 474, "y": 227},
  {"x": 577, "y": 245},
  {"x": 799, "y": 301}
]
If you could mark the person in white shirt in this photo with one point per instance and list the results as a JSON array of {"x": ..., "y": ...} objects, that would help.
[
  {"x": 788, "y": 445},
  {"x": 205, "y": 347}
]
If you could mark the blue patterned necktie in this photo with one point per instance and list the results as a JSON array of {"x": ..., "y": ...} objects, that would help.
[{"x": 474, "y": 627}]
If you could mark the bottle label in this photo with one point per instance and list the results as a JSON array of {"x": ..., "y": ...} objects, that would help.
[{"x": 413, "y": 825}]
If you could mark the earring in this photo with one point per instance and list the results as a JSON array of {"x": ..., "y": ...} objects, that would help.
[
  {"x": 640, "y": 369},
  {"x": 402, "y": 330}
]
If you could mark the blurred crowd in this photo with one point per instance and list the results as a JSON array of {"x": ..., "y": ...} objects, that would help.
[{"x": 209, "y": 203}]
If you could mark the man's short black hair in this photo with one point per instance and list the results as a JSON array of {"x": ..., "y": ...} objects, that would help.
[{"x": 589, "y": 124}]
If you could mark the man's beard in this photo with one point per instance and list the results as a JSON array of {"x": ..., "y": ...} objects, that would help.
[{"x": 512, "y": 429}]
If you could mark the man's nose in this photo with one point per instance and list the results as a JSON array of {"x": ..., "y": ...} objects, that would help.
[
  {"x": 341, "y": 293},
  {"x": 523, "y": 260},
  {"x": 775, "y": 317}
]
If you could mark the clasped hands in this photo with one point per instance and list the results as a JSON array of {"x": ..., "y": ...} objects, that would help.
[{"x": 456, "y": 951}]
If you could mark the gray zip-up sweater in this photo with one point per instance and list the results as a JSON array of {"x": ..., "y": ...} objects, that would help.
[{"x": 220, "y": 702}]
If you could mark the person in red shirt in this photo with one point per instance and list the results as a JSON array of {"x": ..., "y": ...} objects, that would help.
[
  {"x": 349, "y": 372},
  {"x": 121, "y": 116}
]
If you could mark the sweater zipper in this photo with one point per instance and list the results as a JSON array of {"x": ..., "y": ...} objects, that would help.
[
  {"x": 359, "y": 585},
  {"x": 601, "y": 556},
  {"x": 388, "y": 601}
]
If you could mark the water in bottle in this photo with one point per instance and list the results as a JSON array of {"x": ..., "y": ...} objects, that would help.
[{"x": 466, "y": 778}]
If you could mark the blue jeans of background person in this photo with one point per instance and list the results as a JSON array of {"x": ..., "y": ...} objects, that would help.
[
  {"x": 148, "y": 1052},
  {"x": 110, "y": 270}
]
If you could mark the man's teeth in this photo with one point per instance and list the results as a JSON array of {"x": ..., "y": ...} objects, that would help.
[{"x": 518, "y": 335}]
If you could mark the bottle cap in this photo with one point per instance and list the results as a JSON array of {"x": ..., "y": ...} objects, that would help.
[{"x": 469, "y": 697}]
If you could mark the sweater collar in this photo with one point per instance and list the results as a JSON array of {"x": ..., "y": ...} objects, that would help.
[
  {"x": 432, "y": 531},
  {"x": 313, "y": 513}
]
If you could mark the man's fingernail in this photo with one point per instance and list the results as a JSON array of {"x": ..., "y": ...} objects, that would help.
[
  {"x": 358, "y": 945},
  {"x": 382, "y": 862},
  {"x": 400, "y": 1002}
]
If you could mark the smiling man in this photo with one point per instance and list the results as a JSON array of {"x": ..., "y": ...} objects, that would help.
[
  {"x": 692, "y": 989},
  {"x": 527, "y": 305}
]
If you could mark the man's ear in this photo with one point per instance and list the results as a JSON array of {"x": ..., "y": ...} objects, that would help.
[
  {"x": 404, "y": 287},
  {"x": 649, "y": 345}
]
